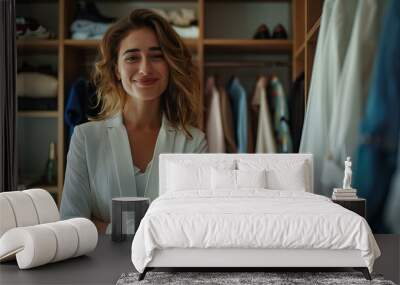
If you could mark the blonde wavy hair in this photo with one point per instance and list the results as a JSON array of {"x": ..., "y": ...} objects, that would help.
[{"x": 180, "y": 102}]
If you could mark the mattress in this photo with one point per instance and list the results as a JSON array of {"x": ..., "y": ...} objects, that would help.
[{"x": 250, "y": 218}]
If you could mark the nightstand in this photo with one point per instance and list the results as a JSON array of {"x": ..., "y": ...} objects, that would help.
[{"x": 358, "y": 206}]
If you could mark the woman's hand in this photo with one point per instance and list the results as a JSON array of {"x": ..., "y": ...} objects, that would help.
[{"x": 100, "y": 225}]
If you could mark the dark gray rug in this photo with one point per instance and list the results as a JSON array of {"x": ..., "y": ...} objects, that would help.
[{"x": 270, "y": 278}]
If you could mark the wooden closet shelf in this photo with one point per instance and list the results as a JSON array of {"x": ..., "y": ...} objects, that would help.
[
  {"x": 93, "y": 44},
  {"x": 246, "y": 64},
  {"x": 248, "y": 45},
  {"x": 229, "y": 1},
  {"x": 38, "y": 114},
  {"x": 36, "y": 44}
]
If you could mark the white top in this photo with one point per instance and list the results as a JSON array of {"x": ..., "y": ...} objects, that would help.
[{"x": 141, "y": 179}]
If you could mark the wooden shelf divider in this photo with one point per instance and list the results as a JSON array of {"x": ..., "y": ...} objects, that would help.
[
  {"x": 307, "y": 21},
  {"x": 248, "y": 45}
]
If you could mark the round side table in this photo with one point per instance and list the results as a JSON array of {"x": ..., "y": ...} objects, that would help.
[{"x": 138, "y": 205}]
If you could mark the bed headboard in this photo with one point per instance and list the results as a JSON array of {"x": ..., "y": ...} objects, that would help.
[{"x": 276, "y": 161}]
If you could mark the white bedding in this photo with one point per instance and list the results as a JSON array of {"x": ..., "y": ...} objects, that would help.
[{"x": 251, "y": 218}]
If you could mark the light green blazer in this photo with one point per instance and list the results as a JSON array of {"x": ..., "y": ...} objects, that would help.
[{"x": 100, "y": 167}]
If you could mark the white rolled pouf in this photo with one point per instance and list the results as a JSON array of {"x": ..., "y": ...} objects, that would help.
[
  {"x": 87, "y": 234},
  {"x": 23, "y": 208},
  {"x": 41, "y": 244},
  {"x": 67, "y": 239},
  {"x": 32, "y": 246},
  {"x": 7, "y": 218},
  {"x": 46, "y": 208}
]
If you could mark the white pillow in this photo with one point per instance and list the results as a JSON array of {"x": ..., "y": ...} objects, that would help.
[
  {"x": 292, "y": 179},
  {"x": 237, "y": 179},
  {"x": 189, "y": 174},
  {"x": 181, "y": 177},
  {"x": 251, "y": 178},
  {"x": 223, "y": 179},
  {"x": 282, "y": 174}
]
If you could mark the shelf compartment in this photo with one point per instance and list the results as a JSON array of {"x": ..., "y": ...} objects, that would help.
[
  {"x": 38, "y": 45},
  {"x": 248, "y": 45},
  {"x": 38, "y": 114}
]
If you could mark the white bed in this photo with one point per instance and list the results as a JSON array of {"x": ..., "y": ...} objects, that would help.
[{"x": 201, "y": 220}]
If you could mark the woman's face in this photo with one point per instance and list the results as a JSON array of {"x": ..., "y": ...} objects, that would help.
[{"x": 141, "y": 67}]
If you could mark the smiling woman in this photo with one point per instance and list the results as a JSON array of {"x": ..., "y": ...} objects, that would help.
[{"x": 148, "y": 90}]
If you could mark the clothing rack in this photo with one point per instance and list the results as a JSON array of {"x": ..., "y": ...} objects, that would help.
[{"x": 246, "y": 63}]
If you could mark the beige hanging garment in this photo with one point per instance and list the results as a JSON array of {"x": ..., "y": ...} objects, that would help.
[
  {"x": 227, "y": 119},
  {"x": 265, "y": 142},
  {"x": 214, "y": 128}
]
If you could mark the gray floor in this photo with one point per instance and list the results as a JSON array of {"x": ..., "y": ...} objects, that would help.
[
  {"x": 106, "y": 264},
  {"x": 102, "y": 266},
  {"x": 389, "y": 262}
]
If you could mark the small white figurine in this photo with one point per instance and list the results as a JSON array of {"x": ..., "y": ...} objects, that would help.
[{"x": 347, "y": 174}]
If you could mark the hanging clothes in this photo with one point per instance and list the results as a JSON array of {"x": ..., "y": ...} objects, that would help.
[
  {"x": 392, "y": 206},
  {"x": 80, "y": 105},
  {"x": 281, "y": 115},
  {"x": 214, "y": 128},
  {"x": 377, "y": 153},
  {"x": 265, "y": 140},
  {"x": 352, "y": 93},
  {"x": 296, "y": 110},
  {"x": 227, "y": 118},
  {"x": 333, "y": 39},
  {"x": 238, "y": 97}
]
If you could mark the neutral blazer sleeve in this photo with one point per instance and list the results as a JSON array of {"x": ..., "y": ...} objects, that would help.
[
  {"x": 76, "y": 198},
  {"x": 202, "y": 146}
]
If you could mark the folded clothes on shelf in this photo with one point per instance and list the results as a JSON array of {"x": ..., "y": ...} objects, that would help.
[
  {"x": 191, "y": 32},
  {"x": 87, "y": 10},
  {"x": 29, "y": 28},
  {"x": 183, "y": 20},
  {"x": 85, "y": 29},
  {"x": 36, "y": 85},
  {"x": 89, "y": 23},
  {"x": 182, "y": 17}
]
